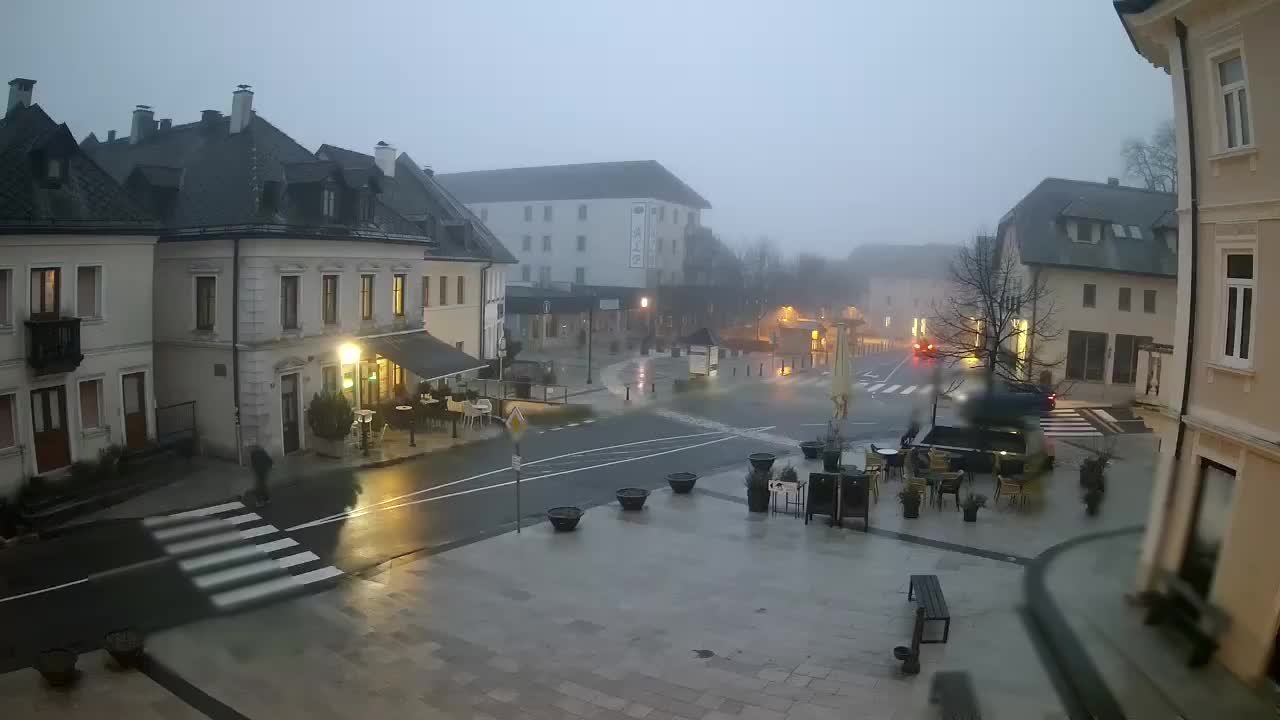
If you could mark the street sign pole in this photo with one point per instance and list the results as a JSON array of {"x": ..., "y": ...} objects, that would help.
[
  {"x": 517, "y": 466},
  {"x": 591, "y": 326},
  {"x": 516, "y": 425}
]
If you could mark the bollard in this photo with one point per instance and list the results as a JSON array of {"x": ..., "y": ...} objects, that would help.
[
  {"x": 652, "y": 388},
  {"x": 411, "y": 424},
  {"x": 364, "y": 438},
  {"x": 748, "y": 370},
  {"x": 735, "y": 371},
  {"x": 455, "y": 426},
  {"x": 761, "y": 371},
  {"x": 628, "y": 386}
]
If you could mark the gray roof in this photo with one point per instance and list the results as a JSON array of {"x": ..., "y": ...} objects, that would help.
[
  {"x": 415, "y": 194},
  {"x": 628, "y": 179},
  {"x": 87, "y": 200},
  {"x": 1042, "y": 239}
]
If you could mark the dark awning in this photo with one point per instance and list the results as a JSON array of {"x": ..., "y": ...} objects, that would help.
[{"x": 425, "y": 356}]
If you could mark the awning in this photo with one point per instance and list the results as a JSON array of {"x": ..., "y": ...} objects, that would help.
[{"x": 425, "y": 356}]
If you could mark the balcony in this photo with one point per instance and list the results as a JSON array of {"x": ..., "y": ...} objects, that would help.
[
  {"x": 1154, "y": 383},
  {"x": 53, "y": 345}
]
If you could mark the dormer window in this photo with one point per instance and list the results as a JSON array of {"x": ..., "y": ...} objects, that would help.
[
  {"x": 329, "y": 203},
  {"x": 366, "y": 207},
  {"x": 54, "y": 170},
  {"x": 1119, "y": 231},
  {"x": 1135, "y": 232}
]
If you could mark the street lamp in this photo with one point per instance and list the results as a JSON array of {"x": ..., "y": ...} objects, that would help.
[
  {"x": 644, "y": 302},
  {"x": 349, "y": 353}
]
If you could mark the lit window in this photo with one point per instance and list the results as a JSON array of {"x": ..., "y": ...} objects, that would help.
[
  {"x": 1235, "y": 102},
  {"x": 366, "y": 297},
  {"x": 206, "y": 297},
  {"x": 397, "y": 295},
  {"x": 1135, "y": 232},
  {"x": 886, "y": 321}
]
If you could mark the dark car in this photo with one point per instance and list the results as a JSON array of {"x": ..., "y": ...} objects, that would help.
[
  {"x": 924, "y": 346},
  {"x": 1037, "y": 397},
  {"x": 1009, "y": 404}
]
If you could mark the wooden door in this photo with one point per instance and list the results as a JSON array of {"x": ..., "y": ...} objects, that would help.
[
  {"x": 289, "y": 411},
  {"x": 134, "y": 386},
  {"x": 49, "y": 427}
]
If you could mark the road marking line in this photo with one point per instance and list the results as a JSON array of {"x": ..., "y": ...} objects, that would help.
[
  {"x": 555, "y": 429},
  {"x": 242, "y": 519},
  {"x": 258, "y": 531},
  {"x": 249, "y": 593},
  {"x": 198, "y": 512},
  {"x": 297, "y": 559},
  {"x": 908, "y": 390},
  {"x": 1105, "y": 415},
  {"x": 218, "y": 578},
  {"x": 875, "y": 387},
  {"x": 201, "y": 562},
  {"x": 892, "y": 388},
  {"x": 573, "y": 424},
  {"x": 181, "y": 531},
  {"x": 896, "y": 367},
  {"x": 925, "y": 389},
  {"x": 45, "y": 590},
  {"x": 862, "y": 384},
  {"x": 204, "y": 543},
  {"x": 274, "y": 545}
]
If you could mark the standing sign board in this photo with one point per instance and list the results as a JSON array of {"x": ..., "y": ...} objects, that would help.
[{"x": 704, "y": 359}]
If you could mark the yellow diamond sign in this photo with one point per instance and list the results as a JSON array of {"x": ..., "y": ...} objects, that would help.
[{"x": 516, "y": 424}]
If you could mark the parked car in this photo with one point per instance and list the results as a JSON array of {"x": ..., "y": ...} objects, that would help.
[
  {"x": 1007, "y": 403},
  {"x": 1039, "y": 397}
]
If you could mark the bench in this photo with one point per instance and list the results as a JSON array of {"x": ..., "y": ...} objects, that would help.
[
  {"x": 926, "y": 590},
  {"x": 1183, "y": 608},
  {"x": 954, "y": 692}
]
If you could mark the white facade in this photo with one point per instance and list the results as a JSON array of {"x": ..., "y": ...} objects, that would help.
[
  {"x": 196, "y": 364},
  {"x": 107, "y": 282},
  {"x": 588, "y": 242},
  {"x": 900, "y": 308}
]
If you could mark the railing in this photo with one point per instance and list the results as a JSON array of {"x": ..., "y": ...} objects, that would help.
[
  {"x": 53, "y": 345},
  {"x": 514, "y": 390}
]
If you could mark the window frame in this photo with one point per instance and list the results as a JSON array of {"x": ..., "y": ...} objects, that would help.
[
  {"x": 1222, "y": 95},
  {"x": 526, "y": 243},
  {"x": 1124, "y": 299},
  {"x": 444, "y": 291},
  {"x": 582, "y": 212},
  {"x": 1153, "y": 307},
  {"x": 547, "y": 213},
  {"x": 1225, "y": 285},
  {"x": 7, "y": 275},
  {"x": 100, "y": 425},
  {"x": 13, "y": 421},
  {"x": 329, "y": 203},
  {"x": 368, "y": 285},
  {"x": 580, "y": 275},
  {"x": 98, "y": 291},
  {"x": 526, "y": 272},
  {"x": 57, "y": 290},
  {"x": 212, "y": 325},
  {"x": 462, "y": 290},
  {"x": 397, "y": 295},
  {"x": 328, "y": 318},
  {"x": 582, "y": 243},
  {"x": 528, "y": 213},
  {"x": 426, "y": 291},
  {"x": 1087, "y": 299},
  {"x": 546, "y": 243},
  {"x": 296, "y": 281}
]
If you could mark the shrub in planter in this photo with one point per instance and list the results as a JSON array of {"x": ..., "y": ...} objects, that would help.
[
  {"x": 124, "y": 646},
  {"x": 682, "y": 482},
  {"x": 330, "y": 417},
  {"x": 564, "y": 519},
  {"x": 548, "y": 377},
  {"x": 1093, "y": 470},
  {"x": 757, "y": 483},
  {"x": 631, "y": 498},
  {"x": 833, "y": 447},
  {"x": 1092, "y": 500},
  {"x": 971, "y": 504},
  {"x": 58, "y": 667},
  {"x": 789, "y": 475},
  {"x": 910, "y": 500}
]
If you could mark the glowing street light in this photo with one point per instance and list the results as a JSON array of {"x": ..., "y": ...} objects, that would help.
[
  {"x": 644, "y": 302},
  {"x": 349, "y": 353}
]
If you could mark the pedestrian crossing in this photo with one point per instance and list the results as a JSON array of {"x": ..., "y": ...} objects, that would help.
[
  {"x": 235, "y": 557},
  {"x": 823, "y": 382},
  {"x": 1068, "y": 422}
]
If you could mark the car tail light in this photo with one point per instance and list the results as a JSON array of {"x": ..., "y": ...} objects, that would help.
[
  {"x": 930, "y": 346},
  {"x": 917, "y": 346},
  {"x": 1053, "y": 396}
]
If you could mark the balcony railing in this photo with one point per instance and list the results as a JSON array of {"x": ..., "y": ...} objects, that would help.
[{"x": 53, "y": 345}]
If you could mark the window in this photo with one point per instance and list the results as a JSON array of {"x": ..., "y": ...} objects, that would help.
[
  {"x": 1235, "y": 102},
  {"x": 289, "y": 302},
  {"x": 580, "y": 275},
  {"x": 662, "y": 213},
  {"x": 544, "y": 275},
  {"x": 660, "y": 244},
  {"x": 1126, "y": 295},
  {"x": 460, "y": 345},
  {"x": 89, "y": 291},
  {"x": 329, "y": 299},
  {"x": 1090, "y": 295},
  {"x": 366, "y": 297},
  {"x": 526, "y": 243},
  {"x": 524, "y": 273},
  {"x": 329, "y": 200},
  {"x": 1124, "y": 364},
  {"x": 426, "y": 291},
  {"x": 528, "y": 213},
  {"x": 582, "y": 211},
  {"x": 206, "y": 302},
  {"x": 1085, "y": 232},
  {"x": 444, "y": 290},
  {"x": 46, "y": 291},
  {"x": 1135, "y": 232},
  {"x": 1148, "y": 301},
  {"x": 582, "y": 243},
  {"x": 546, "y": 243},
  {"x": 90, "y": 404},
  {"x": 1086, "y": 355},
  {"x": 546, "y": 213},
  {"x": 6, "y": 285},
  {"x": 329, "y": 379},
  {"x": 1119, "y": 231},
  {"x": 1237, "y": 316},
  {"x": 675, "y": 216},
  {"x": 462, "y": 293},
  {"x": 1209, "y": 526},
  {"x": 8, "y": 424},
  {"x": 397, "y": 295},
  {"x": 484, "y": 214}
]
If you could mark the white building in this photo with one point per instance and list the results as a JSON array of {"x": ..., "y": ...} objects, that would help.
[
  {"x": 274, "y": 258},
  {"x": 75, "y": 302},
  {"x": 615, "y": 224},
  {"x": 1107, "y": 256}
]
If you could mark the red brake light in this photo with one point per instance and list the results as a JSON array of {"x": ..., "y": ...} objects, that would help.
[
  {"x": 917, "y": 346},
  {"x": 930, "y": 346},
  {"x": 1053, "y": 396}
]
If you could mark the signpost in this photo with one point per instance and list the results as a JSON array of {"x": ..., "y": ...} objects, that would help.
[{"x": 516, "y": 426}]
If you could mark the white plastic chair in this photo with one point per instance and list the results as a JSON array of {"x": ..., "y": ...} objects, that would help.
[
  {"x": 485, "y": 406},
  {"x": 470, "y": 413}
]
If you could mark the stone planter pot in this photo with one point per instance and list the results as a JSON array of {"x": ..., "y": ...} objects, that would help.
[
  {"x": 762, "y": 460},
  {"x": 971, "y": 514},
  {"x": 682, "y": 482},
  {"x": 124, "y": 646},
  {"x": 58, "y": 667},
  {"x": 757, "y": 498},
  {"x": 564, "y": 519},
  {"x": 831, "y": 460},
  {"x": 811, "y": 449},
  {"x": 911, "y": 508},
  {"x": 632, "y": 498}
]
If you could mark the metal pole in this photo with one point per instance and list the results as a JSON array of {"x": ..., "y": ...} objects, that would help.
[
  {"x": 591, "y": 326},
  {"x": 517, "y": 491},
  {"x": 412, "y": 413},
  {"x": 364, "y": 437}
]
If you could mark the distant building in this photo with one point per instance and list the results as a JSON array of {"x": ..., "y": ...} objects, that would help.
[
  {"x": 76, "y": 357},
  {"x": 905, "y": 283}
]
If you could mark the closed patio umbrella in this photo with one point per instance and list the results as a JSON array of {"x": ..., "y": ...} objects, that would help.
[{"x": 840, "y": 386}]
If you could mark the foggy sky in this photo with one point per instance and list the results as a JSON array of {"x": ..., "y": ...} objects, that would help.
[{"x": 822, "y": 125}]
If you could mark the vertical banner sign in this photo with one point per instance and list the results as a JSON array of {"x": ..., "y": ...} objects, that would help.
[
  {"x": 651, "y": 236},
  {"x": 637, "y": 235}
]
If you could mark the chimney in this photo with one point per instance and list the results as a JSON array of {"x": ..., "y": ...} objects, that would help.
[
  {"x": 143, "y": 124},
  {"x": 426, "y": 169},
  {"x": 19, "y": 93},
  {"x": 1113, "y": 181},
  {"x": 111, "y": 136},
  {"x": 166, "y": 123},
  {"x": 241, "y": 108},
  {"x": 384, "y": 156}
]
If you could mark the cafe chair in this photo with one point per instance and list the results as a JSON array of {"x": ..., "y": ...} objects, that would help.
[
  {"x": 947, "y": 483},
  {"x": 913, "y": 481},
  {"x": 485, "y": 406}
]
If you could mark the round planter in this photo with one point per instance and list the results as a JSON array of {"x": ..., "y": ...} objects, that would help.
[
  {"x": 758, "y": 499},
  {"x": 58, "y": 667},
  {"x": 811, "y": 449},
  {"x": 911, "y": 510},
  {"x": 682, "y": 482},
  {"x": 762, "y": 460},
  {"x": 564, "y": 519},
  {"x": 632, "y": 498},
  {"x": 971, "y": 515},
  {"x": 124, "y": 646},
  {"x": 831, "y": 460}
]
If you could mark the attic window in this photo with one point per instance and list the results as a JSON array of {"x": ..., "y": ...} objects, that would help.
[
  {"x": 1119, "y": 231},
  {"x": 329, "y": 201},
  {"x": 1135, "y": 232},
  {"x": 54, "y": 171}
]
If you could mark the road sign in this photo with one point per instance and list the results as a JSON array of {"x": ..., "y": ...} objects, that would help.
[
  {"x": 546, "y": 307},
  {"x": 609, "y": 304},
  {"x": 515, "y": 462},
  {"x": 516, "y": 424}
]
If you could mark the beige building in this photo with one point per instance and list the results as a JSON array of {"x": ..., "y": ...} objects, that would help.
[
  {"x": 1214, "y": 509},
  {"x": 906, "y": 286},
  {"x": 1106, "y": 255}
]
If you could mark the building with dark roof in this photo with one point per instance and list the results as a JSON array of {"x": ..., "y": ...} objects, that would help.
[
  {"x": 272, "y": 257},
  {"x": 1107, "y": 255},
  {"x": 76, "y": 354},
  {"x": 620, "y": 224}
]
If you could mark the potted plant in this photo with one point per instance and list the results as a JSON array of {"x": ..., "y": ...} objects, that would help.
[
  {"x": 330, "y": 416},
  {"x": 682, "y": 482},
  {"x": 260, "y": 461},
  {"x": 1092, "y": 500},
  {"x": 124, "y": 646},
  {"x": 811, "y": 448},
  {"x": 910, "y": 499},
  {"x": 833, "y": 448},
  {"x": 789, "y": 475},
  {"x": 632, "y": 498},
  {"x": 762, "y": 460},
  {"x": 58, "y": 667},
  {"x": 1093, "y": 470},
  {"x": 971, "y": 504},
  {"x": 757, "y": 483},
  {"x": 564, "y": 519}
]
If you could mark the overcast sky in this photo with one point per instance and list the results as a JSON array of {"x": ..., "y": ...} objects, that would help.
[{"x": 823, "y": 125}]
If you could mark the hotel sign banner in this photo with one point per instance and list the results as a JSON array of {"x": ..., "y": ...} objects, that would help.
[{"x": 638, "y": 235}]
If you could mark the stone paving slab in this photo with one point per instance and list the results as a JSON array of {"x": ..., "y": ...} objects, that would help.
[
  {"x": 102, "y": 692},
  {"x": 690, "y": 608}
]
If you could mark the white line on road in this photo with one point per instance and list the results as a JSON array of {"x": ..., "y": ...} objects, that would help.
[
  {"x": 896, "y": 367},
  {"x": 909, "y": 390},
  {"x": 45, "y": 590},
  {"x": 875, "y": 387},
  {"x": 892, "y": 388}
]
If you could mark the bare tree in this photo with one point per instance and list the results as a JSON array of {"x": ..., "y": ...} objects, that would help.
[
  {"x": 762, "y": 276},
  {"x": 1154, "y": 161},
  {"x": 989, "y": 313}
]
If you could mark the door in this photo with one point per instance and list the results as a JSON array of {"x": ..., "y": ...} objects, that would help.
[
  {"x": 1086, "y": 355},
  {"x": 134, "y": 386},
  {"x": 289, "y": 411},
  {"x": 46, "y": 293},
  {"x": 49, "y": 428},
  {"x": 1124, "y": 365}
]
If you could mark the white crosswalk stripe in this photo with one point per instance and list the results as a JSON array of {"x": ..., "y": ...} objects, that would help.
[
  {"x": 875, "y": 387},
  {"x": 892, "y": 388},
  {"x": 908, "y": 390},
  {"x": 1067, "y": 422},
  {"x": 235, "y": 556}
]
